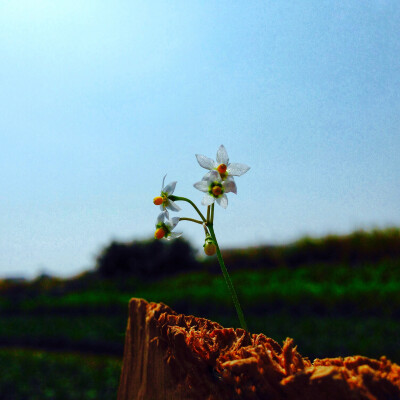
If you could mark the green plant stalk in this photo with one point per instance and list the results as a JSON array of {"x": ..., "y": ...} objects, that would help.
[
  {"x": 177, "y": 198},
  {"x": 191, "y": 219},
  {"x": 228, "y": 280},
  {"x": 209, "y": 224}
]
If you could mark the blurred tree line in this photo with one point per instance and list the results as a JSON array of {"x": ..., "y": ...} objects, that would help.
[
  {"x": 355, "y": 249},
  {"x": 153, "y": 259},
  {"x": 146, "y": 259},
  {"x": 129, "y": 263}
]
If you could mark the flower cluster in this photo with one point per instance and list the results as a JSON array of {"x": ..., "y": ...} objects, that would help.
[
  {"x": 215, "y": 184},
  {"x": 164, "y": 228},
  {"x": 220, "y": 179},
  {"x": 164, "y": 225},
  {"x": 163, "y": 200}
]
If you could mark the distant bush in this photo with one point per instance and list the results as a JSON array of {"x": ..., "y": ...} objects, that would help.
[
  {"x": 146, "y": 259},
  {"x": 353, "y": 249}
]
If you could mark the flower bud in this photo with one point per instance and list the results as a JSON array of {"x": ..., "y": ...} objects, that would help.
[{"x": 209, "y": 247}]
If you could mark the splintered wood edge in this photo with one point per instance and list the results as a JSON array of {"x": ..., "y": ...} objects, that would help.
[{"x": 173, "y": 356}]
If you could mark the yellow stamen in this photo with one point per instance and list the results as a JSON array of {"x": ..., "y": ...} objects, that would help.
[
  {"x": 159, "y": 233},
  {"x": 221, "y": 168},
  {"x": 216, "y": 190},
  {"x": 158, "y": 200}
]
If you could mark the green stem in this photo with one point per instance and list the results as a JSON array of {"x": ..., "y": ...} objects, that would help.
[
  {"x": 227, "y": 278},
  {"x": 191, "y": 219},
  {"x": 177, "y": 198}
]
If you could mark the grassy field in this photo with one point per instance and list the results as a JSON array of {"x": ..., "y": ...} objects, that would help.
[
  {"x": 38, "y": 375},
  {"x": 330, "y": 310},
  {"x": 366, "y": 286}
]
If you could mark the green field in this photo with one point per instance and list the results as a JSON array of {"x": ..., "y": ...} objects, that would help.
[
  {"x": 330, "y": 310},
  {"x": 366, "y": 286},
  {"x": 38, "y": 375}
]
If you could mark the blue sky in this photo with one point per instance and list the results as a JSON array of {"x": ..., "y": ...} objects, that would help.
[{"x": 100, "y": 99}]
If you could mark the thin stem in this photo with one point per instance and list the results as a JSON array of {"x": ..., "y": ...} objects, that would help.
[
  {"x": 212, "y": 213},
  {"x": 191, "y": 219},
  {"x": 177, "y": 198},
  {"x": 208, "y": 214},
  {"x": 227, "y": 278}
]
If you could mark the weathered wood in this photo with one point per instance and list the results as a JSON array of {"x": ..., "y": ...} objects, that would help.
[{"x": 176, "y": 357}]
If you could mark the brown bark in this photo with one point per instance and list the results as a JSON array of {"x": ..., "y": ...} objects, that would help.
[{"x": 177, "y": 357}]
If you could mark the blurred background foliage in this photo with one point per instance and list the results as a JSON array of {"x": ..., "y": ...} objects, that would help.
[{"x": 336, "y": 296}]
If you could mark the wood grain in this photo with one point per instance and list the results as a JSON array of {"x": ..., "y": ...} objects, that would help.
[{"x": 177, "y": 357}]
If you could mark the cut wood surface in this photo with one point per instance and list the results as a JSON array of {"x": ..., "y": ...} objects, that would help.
[{"x": 177, "y": 357}]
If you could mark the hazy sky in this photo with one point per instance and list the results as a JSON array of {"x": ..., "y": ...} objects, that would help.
[{"x": 100, "y": 99}]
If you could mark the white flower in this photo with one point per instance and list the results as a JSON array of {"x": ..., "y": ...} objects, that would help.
[
  {"x": 163, "y": 200},
  {"x": 164, "y": 228},
  {"x": 225, "y": 169},
  {"x": 215, "y": 189}
]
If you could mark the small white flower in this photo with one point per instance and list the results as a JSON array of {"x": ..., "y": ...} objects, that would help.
[
  {"x": 164, "y": 227},
  {"x": 225, "y": 169},
  {"x": 164, "y": 201},
  {"x": 215, "y": 189}
]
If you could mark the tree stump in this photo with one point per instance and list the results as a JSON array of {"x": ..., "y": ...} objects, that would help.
[{"x": 177, "y": 357}]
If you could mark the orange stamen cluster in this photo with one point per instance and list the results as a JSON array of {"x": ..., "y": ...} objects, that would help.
[
  {"x": 158, "y": 200},
  {"x": 216, "y": 190},
  {"x": 221, "y": 168},
  {"x": 159, "y": 233}
]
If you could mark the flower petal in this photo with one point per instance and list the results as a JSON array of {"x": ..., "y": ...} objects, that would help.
[
  {"x": 165, "y": 212},
  {"x": 223, "y": 201},
  {"x": 206, "y": 177},
  {"x": 174, "y": 235},
  {"x": 207, "y": 200},
  {"x": 214, "y": 176},
  {"x": 237, "y": 169},
  {"x": 222, "y": 155},
  {"x": 202, "y": 185},
  {"x": 173, "y": 206},
  {"x": 160, "y": 218},
  {"x": 169, "y": 189},
  {"x": 162, "y": 186},
  {"x": 230, "y": 186},
  {"x": 205, "y": 162},
  {"x": 172, "y": 223}
]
